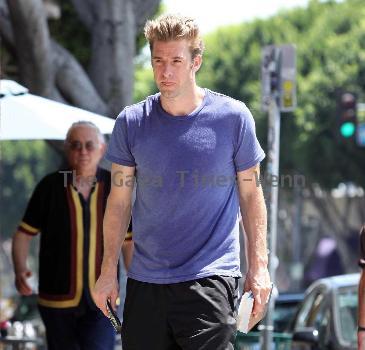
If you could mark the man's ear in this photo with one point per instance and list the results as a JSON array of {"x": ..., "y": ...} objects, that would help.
[
  {"x": 197, "y": 62},
  {"x": 103, "y": 148}
]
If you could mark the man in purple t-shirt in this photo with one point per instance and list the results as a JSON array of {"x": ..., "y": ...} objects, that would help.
[{"x": 195, "y": 157}]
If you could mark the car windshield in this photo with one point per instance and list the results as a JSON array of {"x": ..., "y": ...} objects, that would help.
[{"x": 347, "y": 313}]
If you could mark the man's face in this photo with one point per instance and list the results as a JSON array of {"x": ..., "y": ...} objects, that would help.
[
  {"x": 84, "y": 149},
  {"x": 173, "y": 67}
]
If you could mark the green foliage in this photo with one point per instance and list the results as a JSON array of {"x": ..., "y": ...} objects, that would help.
[
  {"x": 144, "y": 84},
  {"x": 23, "y": 164},
  {"x": 330, "y": 42}
]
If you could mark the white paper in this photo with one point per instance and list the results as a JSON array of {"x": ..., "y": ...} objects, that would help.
[{"x": 244, "y": 312}]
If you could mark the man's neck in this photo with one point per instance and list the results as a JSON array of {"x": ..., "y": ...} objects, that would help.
[
  {"x": 183, "y": 105},
  {"x": 86, "y": 173},
  {"x": 84, "y": 182}
]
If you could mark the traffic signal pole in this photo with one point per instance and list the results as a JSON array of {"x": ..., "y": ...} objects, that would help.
[
  {"x": 278, "y": 71},
  {"x": 273, "y": 175}
]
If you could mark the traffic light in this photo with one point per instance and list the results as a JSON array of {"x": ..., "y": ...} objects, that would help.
[{"x": 346, "y": 114}]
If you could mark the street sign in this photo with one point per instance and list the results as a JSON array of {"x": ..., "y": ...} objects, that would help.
[
  {"x": 288, "y": 93},
  {"x": 278, "y": 76}
]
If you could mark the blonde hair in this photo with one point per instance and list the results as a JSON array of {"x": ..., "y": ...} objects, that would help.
[{"x": 175, "y": 27}]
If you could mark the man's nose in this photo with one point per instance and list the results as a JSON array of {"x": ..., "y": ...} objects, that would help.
[
  {"x": 167, "y": 71},
  {"x": 83, "y": 149}
]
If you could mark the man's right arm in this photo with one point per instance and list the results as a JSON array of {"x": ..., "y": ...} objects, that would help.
[
  {"x": 20, "y": 250},
  {"x": 116, "y": 220}
]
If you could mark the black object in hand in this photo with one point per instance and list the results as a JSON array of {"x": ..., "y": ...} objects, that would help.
[{"x": 114, "y": 319}]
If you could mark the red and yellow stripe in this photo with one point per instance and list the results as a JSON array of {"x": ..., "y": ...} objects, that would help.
[
  {"x": 73, "y": 298},
  {"x": 95, "y": 247},
  {"x": 27, "y": 229}
]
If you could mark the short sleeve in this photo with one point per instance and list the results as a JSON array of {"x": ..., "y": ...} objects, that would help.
[
  {"x": 362, "y": 248},
  {"x": 119, "y": 148},
  {"x": 248, "y": 151},
  {"x": 32, "y": 219}
]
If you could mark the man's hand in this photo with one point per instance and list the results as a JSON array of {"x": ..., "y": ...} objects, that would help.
[
  {"x": 21, "y": 283},
  {"x": 19, "y": 251},
  {"x": 260, "y": 285},
  {"x": 106, "y": 287}
]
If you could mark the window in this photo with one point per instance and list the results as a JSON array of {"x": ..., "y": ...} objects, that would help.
[
  {"x": 312, "y": 309},
  {"x": 346, "y": 313}
]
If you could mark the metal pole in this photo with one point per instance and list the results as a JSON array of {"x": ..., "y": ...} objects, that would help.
[
  {"x": 297, "y": 268},
  {"x": 273, "y": 176}
]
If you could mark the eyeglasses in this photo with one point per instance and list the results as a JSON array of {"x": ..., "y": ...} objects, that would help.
[{"x": 78, "y": 146}]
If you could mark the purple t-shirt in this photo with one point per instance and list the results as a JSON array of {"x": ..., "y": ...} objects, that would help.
[{"x": 185, "y": 216}]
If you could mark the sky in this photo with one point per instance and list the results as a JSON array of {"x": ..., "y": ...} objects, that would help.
[{"x": 211, "y": 14}]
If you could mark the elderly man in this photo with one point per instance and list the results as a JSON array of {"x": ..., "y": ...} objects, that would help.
[{"x": 67, "y": 209}]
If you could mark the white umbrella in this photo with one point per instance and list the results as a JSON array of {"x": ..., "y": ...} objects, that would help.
[{"x": 24, "y": 116}]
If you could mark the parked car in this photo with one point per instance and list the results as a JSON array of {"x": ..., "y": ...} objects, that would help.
[
  {"x": 327, "y": 317},
  {"x": 286, "y": 306}
]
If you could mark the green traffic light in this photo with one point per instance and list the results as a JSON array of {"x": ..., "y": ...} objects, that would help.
[{"x": 347, "y": 129}]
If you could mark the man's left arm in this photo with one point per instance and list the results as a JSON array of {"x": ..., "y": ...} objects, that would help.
[{"x": 254, "y": 218}]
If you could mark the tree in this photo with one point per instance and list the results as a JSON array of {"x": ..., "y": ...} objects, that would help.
[
  {"x": 49, "y": 70},
  {"x": 330, "y": 46},
  {"x": 23, "y": 164},
  {"x": 329, "y": 40},
  {"x": 86, "y": 59}
]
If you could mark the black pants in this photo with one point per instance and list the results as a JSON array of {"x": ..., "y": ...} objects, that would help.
[{"x": 193, "y": 315}]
